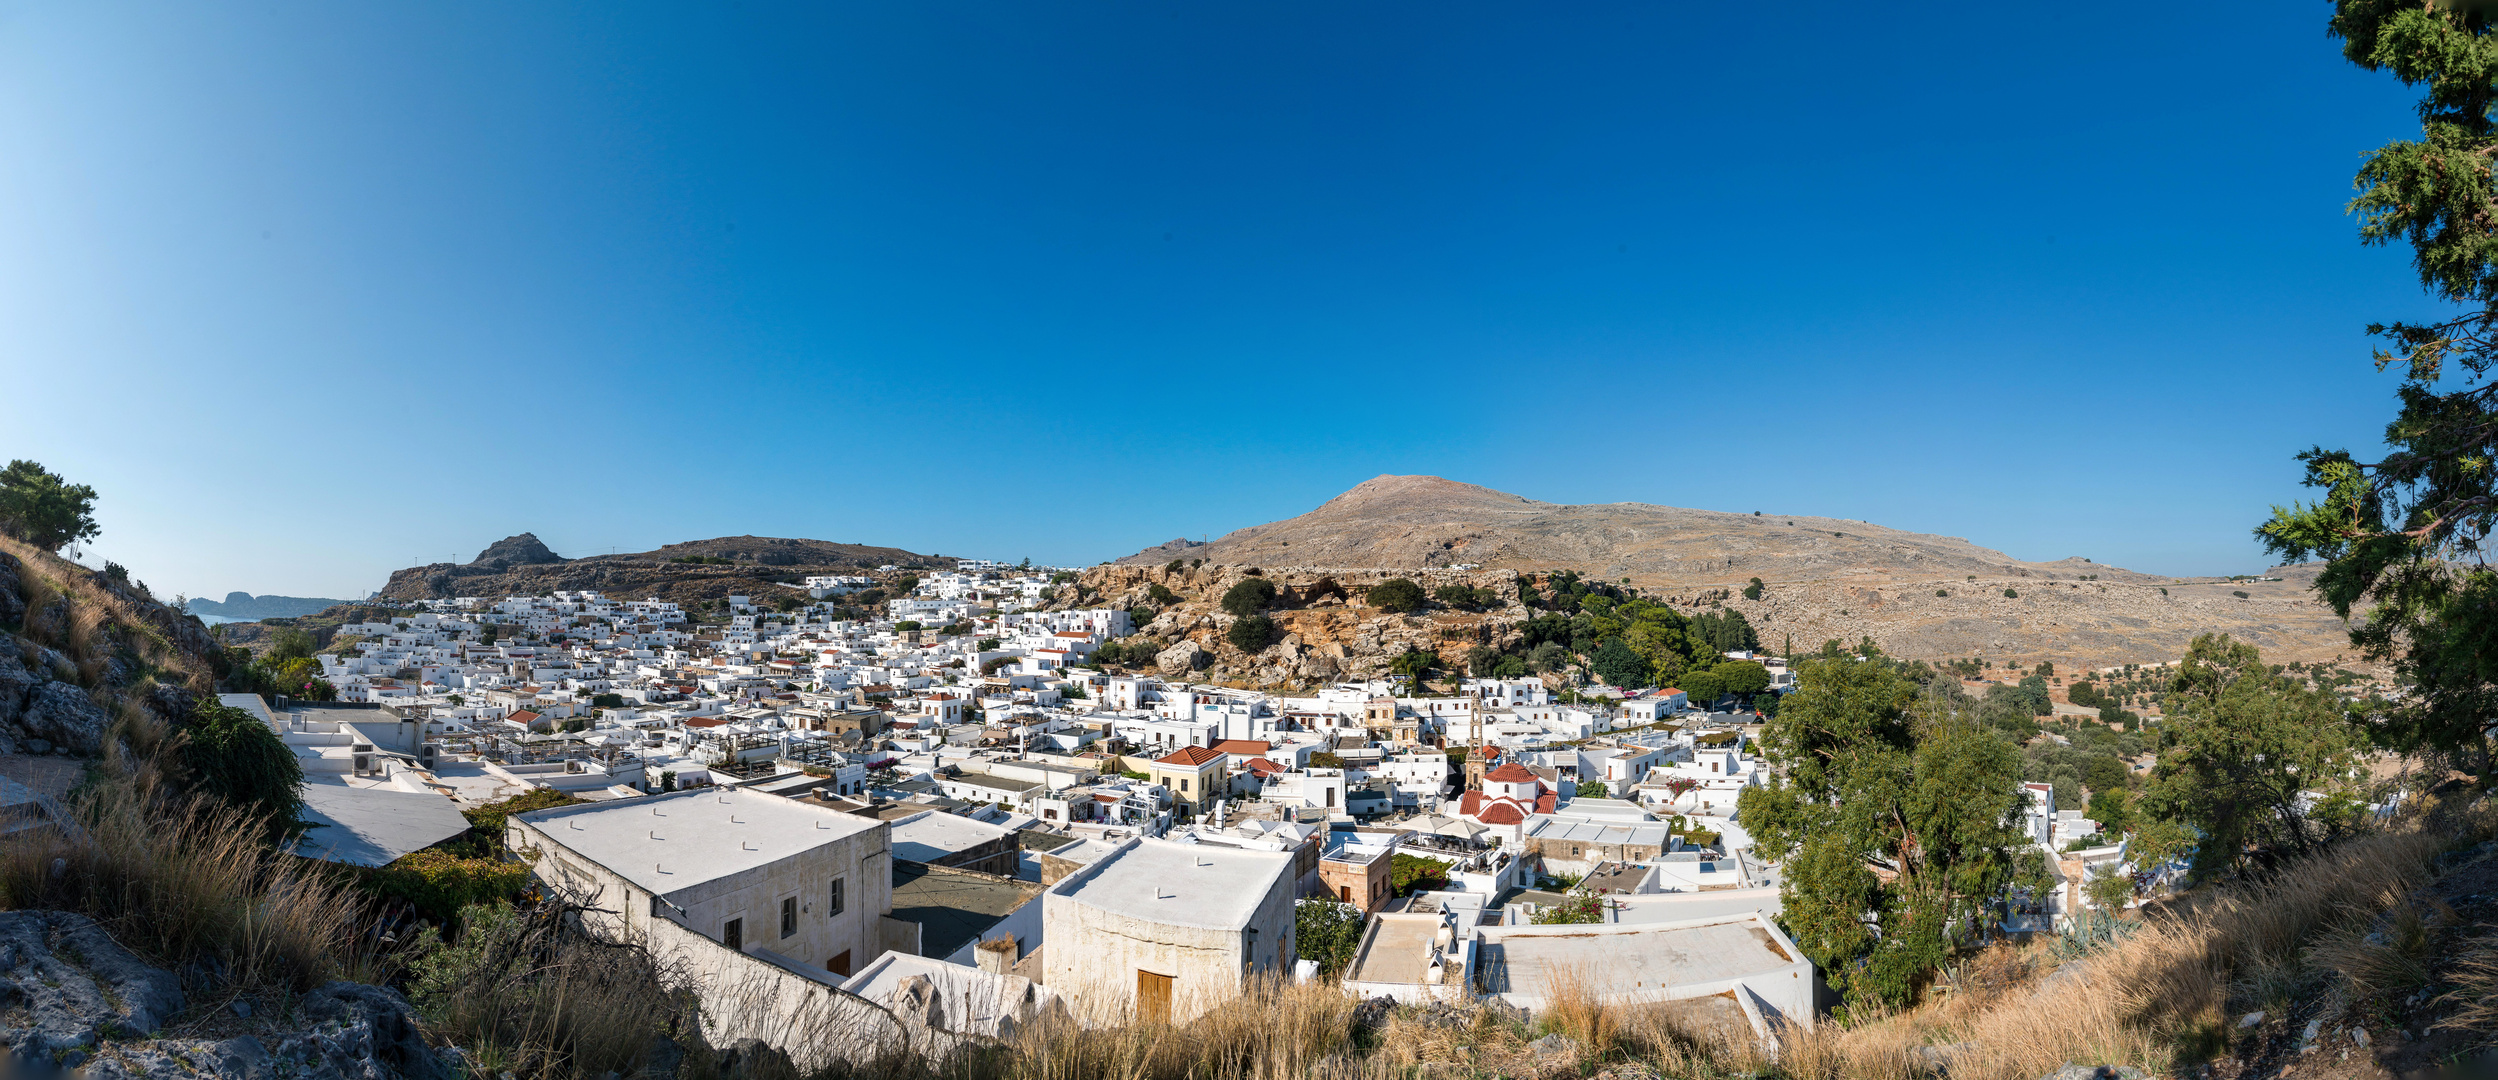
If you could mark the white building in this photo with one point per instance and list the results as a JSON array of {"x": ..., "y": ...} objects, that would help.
[
  {"x": 797, "y": 884},
  {"x": 1159, "y": 929}
]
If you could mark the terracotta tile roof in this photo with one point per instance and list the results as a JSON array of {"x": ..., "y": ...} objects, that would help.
[
  {"x": 1544, "y": 803},
  {"x": 1512, "y": 773},
  {"x": 1501, "y": 812},
  {"x": 1472, "y": 802},
  {"x": 1191, "y": 756},
  {"x": 1251, "y": 747},
  {"x": 1262, "y": 766}
]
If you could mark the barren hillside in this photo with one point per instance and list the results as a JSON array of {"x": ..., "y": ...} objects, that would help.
[
  {"x": 1425, "y": 521},
  {"x": 1918, "y": 595}
]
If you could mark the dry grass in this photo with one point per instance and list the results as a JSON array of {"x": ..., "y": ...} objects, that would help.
[
  {"x": 183, "y": 880},
  {"x": 1273, "y": 1031},
  {"x": 520, "y": 993},
  {"x": 2158, "y": 998},
  {"x": 96, "y": 623},
  {"x": 1575, "y": 1008}
]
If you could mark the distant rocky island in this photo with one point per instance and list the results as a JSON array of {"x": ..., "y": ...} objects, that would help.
[{"x": 243, "y": 605}]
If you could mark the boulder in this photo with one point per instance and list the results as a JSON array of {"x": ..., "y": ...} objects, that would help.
[
  {"x": 70, "y": 996},
  {"x": 1182, "y": 659},
  {"x": 64, "y": 714},
  {"x": 64, "y": 984}
]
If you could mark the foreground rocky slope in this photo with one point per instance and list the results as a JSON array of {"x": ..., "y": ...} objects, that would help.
[
  {"x": 73, "y": 999},
  {"x": 731, "y": 565},
  {"x": 78, "y": 647}
]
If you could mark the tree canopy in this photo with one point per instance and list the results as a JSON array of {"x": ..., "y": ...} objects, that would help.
[
  {"x": 1250, "y": 597},
  {"x": 2254, "y": 761},
  {"x": 2403, "y": 537},
  {"x": 40, "y": 508},
  {"x": 1395, "y": 595},
  {"x": 1879, "y": 771},
  {"x": 1253, "y": 633}
]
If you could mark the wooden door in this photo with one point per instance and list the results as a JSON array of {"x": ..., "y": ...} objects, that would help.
[
  {"x": 839, "y": 965},
  {"x": 1153, "y": 998}
]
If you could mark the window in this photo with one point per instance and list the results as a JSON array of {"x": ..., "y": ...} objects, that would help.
[
  {"x": 834, "y": 907},
  {"x": 733, "y": 934},
  {"x": 789, "y": 915}
]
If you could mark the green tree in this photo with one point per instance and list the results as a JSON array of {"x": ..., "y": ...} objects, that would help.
[
  {"x": 1704, "y": 687},
  {"x": 1251, "y": 596},
  {"x": 1876, "y": 770},
  {"x": 2033, "y": 694},
  {"x": 1594, "y": 789},
  {"x": 1549, "y": 656},
  {"x": 2244, "y": 751},
  {"x": 1253, "y": 633},
  {"x": 1327, "y": 932},
  {"x": 231, "y": 755},
  {"x": 1415, "y": 663},
  {"x": 1160, "y": 594},
  {"x": 290, "y": 643},
  {"x": 1753, "y": 590},
  {"x": 1746, "y": 677},
  {"x": 1395, "y": 595},
  {"x": 40, "y": 508},
  {"x": 1617, "y": 665}
]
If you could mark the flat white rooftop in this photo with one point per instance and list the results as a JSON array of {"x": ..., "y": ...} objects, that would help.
[
  {"x": 664, "y": 843},
  {"x": 1164, "y": 881},
  {"x": 934, "y": 834},
  {"x": 1614, "y": 959}
]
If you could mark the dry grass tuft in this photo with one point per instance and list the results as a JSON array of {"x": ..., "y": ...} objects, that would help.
[
  {"x": 1275, "y": 1030},
  {"x": 1574, "y": 1007},
  {"x": 185, "y": 880}
]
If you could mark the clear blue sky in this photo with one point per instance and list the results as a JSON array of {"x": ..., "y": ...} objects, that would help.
[{"x": 310, "y": 291}]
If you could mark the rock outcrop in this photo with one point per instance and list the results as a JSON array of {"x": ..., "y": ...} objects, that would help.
[
  {"x": 77, "y": 645},
  {"x": 72, "y": 998},
  {"x": 511, "y": 551}
]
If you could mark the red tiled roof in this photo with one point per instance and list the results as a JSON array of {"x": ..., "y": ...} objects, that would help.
[
  {"x": 1190, "y": 755},
  {"x": 1262, "y": 766},
  {"x": 1544, "y": 803},
  {"x": 1512, "y": 773},
  {"x": 1251, "y": 747},
  {"x": 705, "y": 723},
  {"x": 1501, "y": 812},
  {"x": 1472, "y": 802}
]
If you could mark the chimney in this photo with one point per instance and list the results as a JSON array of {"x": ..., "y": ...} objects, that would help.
[{"x": 997, "y": 955}]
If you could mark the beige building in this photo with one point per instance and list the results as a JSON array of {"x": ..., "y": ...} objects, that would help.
[
  {"x": 1163, "y": 930},
  {"x": 1195, "y": 776},
  {"x": 795, "y": 883}
]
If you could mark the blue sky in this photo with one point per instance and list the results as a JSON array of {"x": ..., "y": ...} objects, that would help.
[{"x": 310, "y": 291}]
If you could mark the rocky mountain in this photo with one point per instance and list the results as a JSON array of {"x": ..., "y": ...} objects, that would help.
[
  {"x": 243, "y": 605},
  {"x": 1426, "y": 521},
  {"x": 1918, "y": 595},
  {"x": 692, "y": 570}
]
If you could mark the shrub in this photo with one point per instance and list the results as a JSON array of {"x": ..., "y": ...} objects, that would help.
[
  {"x": 1753, "y": 590},
  {"x": 231, "y": 755},
  {"x": 40, "y": 508},
  {"x": 438, "y": 883},
  {"x": 1594, "y": 789},
  {"x": 1454, "y": 595},
  {"x": 1252, "y": 634},
  {"x": 1251, "y": 596},
  {"x": 907, "y": 625},
  {"x": 1409, "y": 874},
  {"x": 1395, "y": 596},
  {"x": 1159, "y": 594},
  {"x": 1327, "y": 932},
  {"x": 2011, "y": 594}
]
